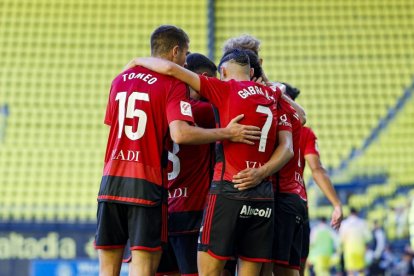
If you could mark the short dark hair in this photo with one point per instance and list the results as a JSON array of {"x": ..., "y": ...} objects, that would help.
[
  {"x": 199, "y": 63},
  {"x": 291, "y": 91},
  {"x": 238, "y": 56},
  {"x": 166, "y": 37},
  {"x": 254, "y": 63}
]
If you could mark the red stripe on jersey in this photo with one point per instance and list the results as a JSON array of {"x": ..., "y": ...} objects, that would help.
[
  {"x": 151, "y": 249},
  {"x": 223, "y": 258},
  {"x": 133, "y": 170},
  {"x": 213, "y": 205},
  {"x": 127, "y": 199},
  {"x": 286, "y": 264},
  {"x": 280, "y": 262},
  {"x": 208, "y": 219},
  {"x": 256, "y": 260}
]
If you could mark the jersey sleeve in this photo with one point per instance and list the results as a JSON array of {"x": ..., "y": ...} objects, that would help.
[
  {"x": 311, "y": 146},
  {"x": 177, "y": 105},
  {"x": 214, "y": 90},
  {"x": 276, "y": 93},
  {"x": 284, "y": 116},
  {"x": 109, "y": 110},
  {"x": 204, "y": 115}
]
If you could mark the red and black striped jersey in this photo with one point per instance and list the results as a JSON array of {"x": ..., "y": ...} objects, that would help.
[
  {"x": 141, "y": 105},
  {"x": 258, "y": 104},
  {"x": 289, "y": 178}
]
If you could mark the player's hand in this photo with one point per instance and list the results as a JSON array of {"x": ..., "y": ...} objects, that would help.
[
  {"x": 247, "y": 179},
  {"x": 243, "y": 133},
  {"x": 131, "y": 64},
  {"x": 337, "y": 217},
  {"x": 259, "y": 80}
]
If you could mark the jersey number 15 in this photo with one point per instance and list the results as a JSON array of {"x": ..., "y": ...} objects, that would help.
[{"x": 131, "y": 112}]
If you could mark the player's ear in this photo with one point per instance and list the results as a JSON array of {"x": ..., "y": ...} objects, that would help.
[
  {"x": 251, "y": 73},
  {"x": 223, "y": 72},
  {"x": 176, "y": 50},
  {"x": 261, "y": 61}
]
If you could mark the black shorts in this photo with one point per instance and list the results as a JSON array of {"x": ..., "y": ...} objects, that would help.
[
  {"x": 241, "y": 228},
  {"x": 145, "y": 227},
  {"x": 305, "y": 239},
  {"x": 181, "y": 256},
  {"x": 290, "y": 212}
]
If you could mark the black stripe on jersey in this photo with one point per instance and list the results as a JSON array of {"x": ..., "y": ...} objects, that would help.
[
  {"x": 219, "y": 146},
  {"x": 188, "y": 222},
  {"x": 114, "y": 188}
]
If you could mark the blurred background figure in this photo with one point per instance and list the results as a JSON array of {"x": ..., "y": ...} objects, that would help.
[
  {"x": 378, "y": 245},
  {"x": 354, "y": 235},
  {"x": 323, "y": 247}
]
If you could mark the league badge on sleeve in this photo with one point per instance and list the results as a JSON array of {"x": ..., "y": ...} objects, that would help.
[{"x": 186, "y": 108}]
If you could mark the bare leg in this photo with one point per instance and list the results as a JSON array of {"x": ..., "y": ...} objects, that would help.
[
  {"x": 283, "y": 271},
  {"x": 267, "y": 269},
  {"x": 208, "y": 265},
  {"x": 247, "y": 268},
  {"x": 144, "y": 263},
  {"x": 110, "y": 261}
]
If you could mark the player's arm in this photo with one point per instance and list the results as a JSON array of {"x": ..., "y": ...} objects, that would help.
[
  {"x": 299, "y": 109},
  {"x": 183, "y": 133},
  {"x": 251, "y": 177},
  {"x": 166, "y": 67},
  {"x": 322, "y": 179}
]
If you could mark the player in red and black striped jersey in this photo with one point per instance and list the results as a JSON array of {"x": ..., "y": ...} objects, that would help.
[
  {"x": 143, "y": 107},
  {"x": 290, "y": 201},
  {"x": 233, "y": 218},
  {"x": 189, "y": 178},
  {"x": 310, "y": 155}
]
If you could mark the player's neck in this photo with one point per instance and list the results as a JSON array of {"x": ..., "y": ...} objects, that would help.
[
  {"x": 237, "y": 77},
  {"x": 166, "y": 57}
]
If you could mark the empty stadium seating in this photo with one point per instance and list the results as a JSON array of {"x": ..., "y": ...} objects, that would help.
[{"x": 351, "y": 59}]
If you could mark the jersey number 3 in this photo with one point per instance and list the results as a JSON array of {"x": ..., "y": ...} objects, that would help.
[{"x": 131, "y": 112}]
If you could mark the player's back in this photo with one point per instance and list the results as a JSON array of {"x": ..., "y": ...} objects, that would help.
[
  {"x": 189, "y": 172},
  {"x": 289, "y": 178},
  {"x": 256, "y": 102},
  {"x": 141, "y": 105},
  {"x": 189, "y": 176}
]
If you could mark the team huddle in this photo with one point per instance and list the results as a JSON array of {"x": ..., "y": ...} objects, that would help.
[{"x": 203, "y": 175}]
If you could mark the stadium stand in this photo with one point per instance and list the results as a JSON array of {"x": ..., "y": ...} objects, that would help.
[
  {"x": 352, "y": 60},
  {"x": 58, "y": 59}
]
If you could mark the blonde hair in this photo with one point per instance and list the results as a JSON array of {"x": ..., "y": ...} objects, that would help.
[{"x": 242, "y": 42}]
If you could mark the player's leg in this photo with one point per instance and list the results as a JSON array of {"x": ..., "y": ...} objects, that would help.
[
  {"x": 185, "y": 252},
  {"x": 111, "y": 236},
  {"x": 110, "y": 261},
  {"x": 209, "y": 265},
  {"x": 217, "y": 234},
  {"x": 285, "y": 271},
  {"x": 247, "y": 268},
  {"x": 144, "y": 263},
  {"x": 168, "y": 263},
  {"x": 288, "y": 236},
  {"x": 148, "y": 235},
  {"x": 254, "y": 241},
  {"x": 230, "y": 268},
  {"x": 267, "y": 269},
  {"x": 305, "y": 244}
]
